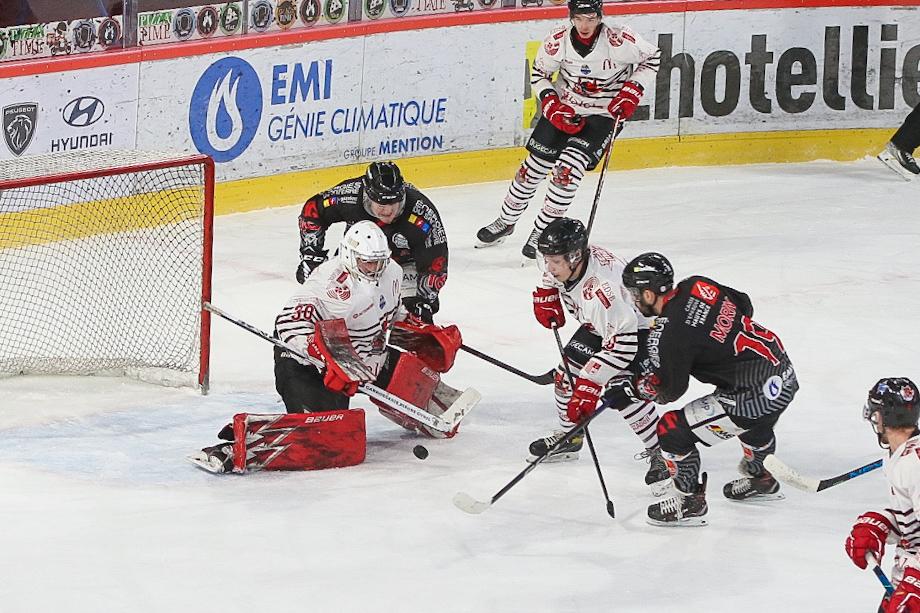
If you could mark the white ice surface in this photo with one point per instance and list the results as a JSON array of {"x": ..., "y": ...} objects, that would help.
[{"x": 99, "y": 511}]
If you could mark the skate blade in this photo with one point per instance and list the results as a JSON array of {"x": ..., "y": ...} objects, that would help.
[
  {"x": 888, "y": 160},
  {"x": 481, "y": 245},
  {"x": 689, "y": 522},
  {"x": 759, "y": 498},
  {"x": 202, "y": 461},
  {"x": 555, "y": 458},
  {"x": 660, "y": 488}
]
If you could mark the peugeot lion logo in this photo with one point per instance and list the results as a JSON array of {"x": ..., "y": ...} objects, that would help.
[
  {"x": 19, "y": 126},
  {"x": 83, "y": 111}
]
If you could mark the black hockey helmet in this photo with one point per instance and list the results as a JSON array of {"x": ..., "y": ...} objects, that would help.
[
  {"x": 564, "y": 236},
  {"x": 383, "y": 183},
  {"x": 582, "y": 7},
  {"x": 650, "y": 271},
  {"x": 898, "y": 401}
]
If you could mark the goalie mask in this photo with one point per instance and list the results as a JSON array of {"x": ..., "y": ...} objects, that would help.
[
  {"x": 364, "y": 251},
  {"x": 893, "y": 402}
]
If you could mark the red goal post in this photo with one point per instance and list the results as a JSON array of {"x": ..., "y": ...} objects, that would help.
[{"x": 105, "y": 262}]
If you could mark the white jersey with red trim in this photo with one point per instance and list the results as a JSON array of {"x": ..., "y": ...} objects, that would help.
[
  {"x": 601, "y": 303},
  {"x": 589, "y": 82},
  {"x": 331, "y": 292},
  {"x": 902, "y": 469}
]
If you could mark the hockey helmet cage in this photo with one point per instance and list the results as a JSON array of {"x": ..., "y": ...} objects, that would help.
[
  {"x": 364, "y": 251},
  {"x": 650, "y": 271},
  {"x": 564, "y": 236},
  {"x": 898, "y": 401},
  {"x": 582, "y": 7}
]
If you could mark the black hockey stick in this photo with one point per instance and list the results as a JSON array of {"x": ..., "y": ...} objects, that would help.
[
  {"x": 597, "y": 466},
  {"x": 468, "y": 504},
  {"x": 784, "y": 473},
  {"x": 600, "y": 179},
  {"x": 882, "y": 577},
  {"x": 544, "y": 379}
]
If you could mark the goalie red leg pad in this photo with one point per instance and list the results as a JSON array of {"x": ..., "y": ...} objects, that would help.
[
  {"x": 415, "y": 383},
  {"x": 298, "y": 441}
]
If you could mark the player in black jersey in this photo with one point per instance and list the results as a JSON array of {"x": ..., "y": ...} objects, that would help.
[
  {"x": 704, "y": 329},
  {"x": 409, "y": 220}
]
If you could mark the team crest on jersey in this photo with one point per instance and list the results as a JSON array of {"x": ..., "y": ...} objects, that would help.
[
  {"x": 551, "y": 47},
  {"x": 339, "y": 292},
  {"x": 400, "y": 241},
  {"x": 588, "y": 288},
  {"x": 706, "y": 292}
]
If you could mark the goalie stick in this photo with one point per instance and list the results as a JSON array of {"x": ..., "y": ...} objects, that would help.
[
  {"x": 784, "y": 473},
  {"x": 468, "y": 504},
  {"x": 446, "y": 422},
  {"x": 546, "y": 378}
]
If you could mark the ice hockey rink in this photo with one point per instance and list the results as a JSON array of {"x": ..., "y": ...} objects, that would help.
[{"x": 100, "y": 511}]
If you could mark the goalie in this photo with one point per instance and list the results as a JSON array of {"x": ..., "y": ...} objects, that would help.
[{"x": 340, "y": 319}]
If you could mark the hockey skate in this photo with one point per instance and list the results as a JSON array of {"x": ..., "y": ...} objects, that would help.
[
  {"x": 899, "y": 161},
  {"x": 682, "y": 509},
  {"x": 752, "y": 487},
  {"x": 563, "y": 453},
  {"x": 217, "y": 459},
  {"x": 657, "y": 477},
  {"x": 529, "y": 250},
  {"x": 493, "y": 234}
]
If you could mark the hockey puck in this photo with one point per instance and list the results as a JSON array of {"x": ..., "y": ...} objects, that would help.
[{"x": 420, "y": 452}]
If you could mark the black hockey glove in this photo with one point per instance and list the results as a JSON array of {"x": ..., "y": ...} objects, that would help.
[
  {"x": 421, "y": 309},
  {"x": 621, "y": 393},
  {"x": 308, "y": 264}
]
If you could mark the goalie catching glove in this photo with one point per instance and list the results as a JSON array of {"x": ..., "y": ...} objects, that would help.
[{"x": 436, "y": 346}]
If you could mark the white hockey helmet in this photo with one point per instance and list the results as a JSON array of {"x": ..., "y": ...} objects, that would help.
[{"x": 364, "y": 251}]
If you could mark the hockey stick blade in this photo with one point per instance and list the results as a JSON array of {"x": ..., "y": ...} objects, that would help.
[
  {"x": 468, "y": 504},
  {"x": 461, "y": 407},
  {"x": 788, "y": 475}
]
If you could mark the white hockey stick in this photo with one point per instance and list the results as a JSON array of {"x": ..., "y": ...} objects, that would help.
[
  {"x": 788, "y": 475},
  {"x": 446, "y": 422}
]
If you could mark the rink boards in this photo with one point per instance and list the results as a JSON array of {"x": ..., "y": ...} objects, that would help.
[{"x": 286, "y": 114}]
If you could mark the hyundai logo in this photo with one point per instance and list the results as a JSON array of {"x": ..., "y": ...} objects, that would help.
[{"x": 83, "y": 111}]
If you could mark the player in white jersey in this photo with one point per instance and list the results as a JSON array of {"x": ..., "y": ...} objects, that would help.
[
  {"x": 587, "y": 281},
  {"x": 603, "y": 71},
  {"x": 893, "y": 408},
  {"x": 341, "y": 318}
]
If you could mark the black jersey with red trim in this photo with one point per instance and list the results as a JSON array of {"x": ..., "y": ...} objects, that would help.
[
  {"x": 705, "y": 330},
  {"x": 416, "y": 237}
]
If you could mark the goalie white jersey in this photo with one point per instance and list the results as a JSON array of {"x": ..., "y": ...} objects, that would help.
[
  {"x": 903, "y": 472},
  {"x": 601, "y": 303},
  {"x": 588, "y": 83},
  {"x": 331, "y": 292}
]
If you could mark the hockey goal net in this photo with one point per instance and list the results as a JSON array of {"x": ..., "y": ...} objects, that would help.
[{"x": 105, "y": 261}]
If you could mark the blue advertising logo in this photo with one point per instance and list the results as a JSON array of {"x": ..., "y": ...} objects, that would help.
[{"x": 226, "y": 109}]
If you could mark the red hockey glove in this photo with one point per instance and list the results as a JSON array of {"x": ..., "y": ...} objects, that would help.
[
  {"x": 334, "y": 378},
  {"x": 906, "y": 597},
  {"x": 547, "y": 307},
  {"x": 584, "y": 400},
  {"x": 626, "y": 101},
  {"x": 868, "y": 535},
  {"x": 561, "y": 115}
]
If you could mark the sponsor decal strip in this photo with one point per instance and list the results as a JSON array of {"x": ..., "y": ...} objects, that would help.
[{"x": 355, "y": 29}]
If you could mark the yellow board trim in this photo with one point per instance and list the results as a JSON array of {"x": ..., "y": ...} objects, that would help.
[{"x": 629, "y": 154}]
